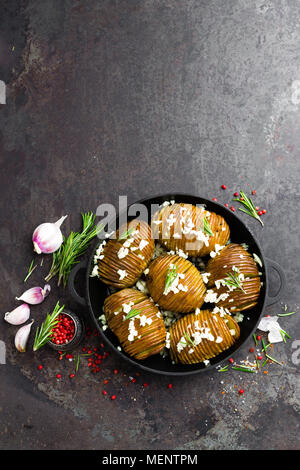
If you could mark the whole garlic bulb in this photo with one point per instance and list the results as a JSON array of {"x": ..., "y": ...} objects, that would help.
[{"x": 47, "y": 237}]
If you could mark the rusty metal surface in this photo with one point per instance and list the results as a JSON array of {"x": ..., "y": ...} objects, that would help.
[{"x": 137, "y": 98}]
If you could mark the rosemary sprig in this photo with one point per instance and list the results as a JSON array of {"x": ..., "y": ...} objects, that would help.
[
  {"x": 250, "y": 208},
  {"x": 234, "y": 280},
  {"x": 126, "y": 234},
  {"x": 72, "y": 248},
  {"x": 285, "y": 314},
  {"x": 30, "y": 270},
  {"x": 43, "y": 334},
  {"x": 207, "y": 227},
  {"x": 133, "y": 313},
  {"x": 170, "y": 277}
]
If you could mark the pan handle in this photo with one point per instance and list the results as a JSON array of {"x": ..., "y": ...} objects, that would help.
[
  {"x": 270, "y": 300},
  {"x": 71, "y": 283}
]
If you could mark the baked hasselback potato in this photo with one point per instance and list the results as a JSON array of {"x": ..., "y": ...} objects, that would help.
[
  {"x": 189, "y": 228},
  {"x": 136, "y": 321},
  {"x": 175, "y": 284},
  {"x": 122, "y": 260},
  {"x": 233, "y": 279},
  {"x": 198, "y": 337}
]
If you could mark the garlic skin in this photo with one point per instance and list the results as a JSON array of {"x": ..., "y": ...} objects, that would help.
[
  {"x": 35, "y": 295},
  {"x": 47, "y": 237},
  {"x": 22, "y": 336},
  {"x": 18, "y": 316}
]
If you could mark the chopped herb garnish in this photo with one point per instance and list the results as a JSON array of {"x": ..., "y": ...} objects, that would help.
[
  {"x": 170, "y": 277},
  {"x": 255, "y": 340},
  {"x": 234, "y": 280},
  {"x": 133, "y": 313},
  {"x": 30, "y": 270},
  {"x": 248, "y": 204},
  {"x": 189, "y": 339},
  {"x": 126, "y": 234},
  {"x": 207, "y": 227}
]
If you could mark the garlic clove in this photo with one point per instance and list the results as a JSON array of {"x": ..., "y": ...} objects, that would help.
[
  {"x": 35, "y": 295},
  {"x": 47, "y": 237},
  {"x": 18, "y": 316},
  {"x": 22, "y": 336}
]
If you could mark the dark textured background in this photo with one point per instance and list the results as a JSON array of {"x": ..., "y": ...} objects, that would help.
[{"x": 137, "y": 98}]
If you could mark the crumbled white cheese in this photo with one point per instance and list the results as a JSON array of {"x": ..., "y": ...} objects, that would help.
[
  {"x": 212, "y": 297},
  {"x": 122, "y": 252},
  {"x": 132, "y": 331},
  {"x": 127, "y": 307},
  {"x": 219, "y": 339},
  {"x": 239, "y": 317},
  {"x": 218, "y": 248},
  {"x": 94, "y": 271},
  {"x": 142, "y": 286},
  {"x": 122, "y": 274},
  {"x": 142, "y": 244},
  {"x": 128, "y": 242},
  {"x": 205, "y": 277},
  {"x": 168, "y": 340}
]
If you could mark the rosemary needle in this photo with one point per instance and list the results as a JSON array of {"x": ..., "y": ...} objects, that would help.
[
  {"x": 272, "y": 359},
  {"x": 207, "y": 227},
  {"x": 30, "y": 270},
  {"x": 244, "y": 369},
  {"x": 285, "y": 314},
  {"x": 133, "y": 313}
]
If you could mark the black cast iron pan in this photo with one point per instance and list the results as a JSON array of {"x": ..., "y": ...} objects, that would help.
[{"x": 96, "y": 291}]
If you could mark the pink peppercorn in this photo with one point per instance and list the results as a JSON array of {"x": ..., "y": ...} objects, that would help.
[{"x": 224, "y": 186}]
